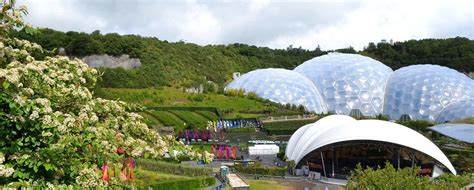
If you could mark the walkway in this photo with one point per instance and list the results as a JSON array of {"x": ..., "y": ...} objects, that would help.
[{"x": 288, "y": 118}]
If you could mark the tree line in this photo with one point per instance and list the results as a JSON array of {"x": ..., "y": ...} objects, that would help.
[{"x": 183, "y": 64}]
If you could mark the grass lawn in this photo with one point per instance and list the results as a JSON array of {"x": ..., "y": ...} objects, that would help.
[
  {"x": 267, "y": 184},
  {"x": 149, "y": 177}
]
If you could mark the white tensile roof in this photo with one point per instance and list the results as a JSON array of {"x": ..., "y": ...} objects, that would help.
[{"x": 339, "y": 128}]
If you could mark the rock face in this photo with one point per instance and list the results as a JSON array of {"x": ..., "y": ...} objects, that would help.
[{"x": 108, "y": 61}]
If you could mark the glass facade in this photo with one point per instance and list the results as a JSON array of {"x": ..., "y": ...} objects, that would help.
[
  {"x": 281, "y": 86},
  {"x": 348, "y": 81},
  {"x": 423, "y": 91}
]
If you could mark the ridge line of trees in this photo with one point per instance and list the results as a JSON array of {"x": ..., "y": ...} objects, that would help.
[{"x": 182, "y": 64}]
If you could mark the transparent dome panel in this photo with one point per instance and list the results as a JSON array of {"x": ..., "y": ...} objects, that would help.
[
  {"x": 281, "y": 86},
  {"x": 348, "y": 81},
  {"x": 423, "y": 91}
]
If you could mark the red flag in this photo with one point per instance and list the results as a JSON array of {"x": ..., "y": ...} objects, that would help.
[{"x": 105, "y": 173}]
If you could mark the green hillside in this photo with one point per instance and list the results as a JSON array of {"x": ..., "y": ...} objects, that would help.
[
  {"x": 173, "y": 97},
  {"x": 165, "y": 63},
  {"x": 171, "y": 107},
  {"x": 185, "y": 64}
]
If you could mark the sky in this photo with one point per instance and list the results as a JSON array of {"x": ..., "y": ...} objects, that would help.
[{"x": 331, "y": 24}]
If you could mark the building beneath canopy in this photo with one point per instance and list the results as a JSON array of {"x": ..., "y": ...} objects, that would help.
[{"x": 334, "y": 145}]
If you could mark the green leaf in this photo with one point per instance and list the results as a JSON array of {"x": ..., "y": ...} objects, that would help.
[
  {"x": 6, "y": 84},
  {"x": 31, "y": 31},
  {"x": 47, "y": 166}
]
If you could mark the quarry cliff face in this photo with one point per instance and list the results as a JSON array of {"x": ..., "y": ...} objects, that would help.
[{"x": 107, "y": 61}]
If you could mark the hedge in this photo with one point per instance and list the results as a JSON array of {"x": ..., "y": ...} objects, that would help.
[
  {"x": 285, "y": 127},
  {"x": 240, "y": 130},
  {"x": 281, "y": 132},
  {"x": 259, "y": 170},
  {"x": 177, "y": 169},
  {"x": 211, "y": 109},
  {"x": 194, "y": 183}
]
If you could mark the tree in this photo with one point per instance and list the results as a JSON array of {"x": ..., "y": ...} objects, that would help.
[
  {"x": 52, "y": 131},
  {"x": 407, "y": 178}
]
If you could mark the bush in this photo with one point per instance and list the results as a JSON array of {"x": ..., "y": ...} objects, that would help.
[
  {"x": 196, "y": 98},
  {"x": 407, "y": 178},
  {"x": 235, "y": 93},
  {"x": 386, "y": 178},
  {"x": 252, "y": 96}
]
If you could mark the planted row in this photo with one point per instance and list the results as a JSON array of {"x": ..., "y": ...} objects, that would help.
[
  {"x": 177, "y": 169},
  {"x": 261, "y": 170}
]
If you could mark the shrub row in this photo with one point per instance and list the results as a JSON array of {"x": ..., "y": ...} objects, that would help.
[
  {"x": 191, "y": 118},
  {"x": 240, "y": 130},
  {"x": 285, "y": 127},
  {"x": 281, "y": 132},
  {"x": 194, "y": 183},
  {"x": 167, "y": 119},
  {"x": 207, "y": 114},
  {"x": 177, "y": 169},
  {"x": 211, "y": 109},
  {"x": 295, "y": 124},
  {"x": 260, "y": 170}
]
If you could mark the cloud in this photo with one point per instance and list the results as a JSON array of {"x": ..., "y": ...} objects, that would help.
[{"x": 277, "y": 24}]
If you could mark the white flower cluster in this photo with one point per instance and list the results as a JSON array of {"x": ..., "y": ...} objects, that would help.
[
  {"x": 55, "y": 93},
  {"x": 89, "y": 178},
  {"x": 5, "y": 171}
]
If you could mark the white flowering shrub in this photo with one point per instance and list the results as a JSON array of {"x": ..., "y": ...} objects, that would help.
[{"x": 52, "y": 129}]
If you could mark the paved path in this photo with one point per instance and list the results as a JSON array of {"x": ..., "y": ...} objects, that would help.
[{"x": 288, "y": 118}]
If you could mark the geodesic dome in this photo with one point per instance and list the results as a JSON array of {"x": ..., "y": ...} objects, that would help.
[
  {"x": 281, "y": 86},
  {"x": 457, "y": 110},
  {"x": 348, "y": 81},
  {"x": 423, "y": 91}
]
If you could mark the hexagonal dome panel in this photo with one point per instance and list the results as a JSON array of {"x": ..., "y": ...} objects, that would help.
[
  {"x": 281, "y": 86},
  {"x": 348, "y": 81},
  {"x": 423, "y": 91},
  {"x": 457, "y": 110}
]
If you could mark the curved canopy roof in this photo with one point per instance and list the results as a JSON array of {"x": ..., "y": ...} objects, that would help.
[
  {"x": 339, "y": 128},
  {"x": 281, "y": 86}
]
